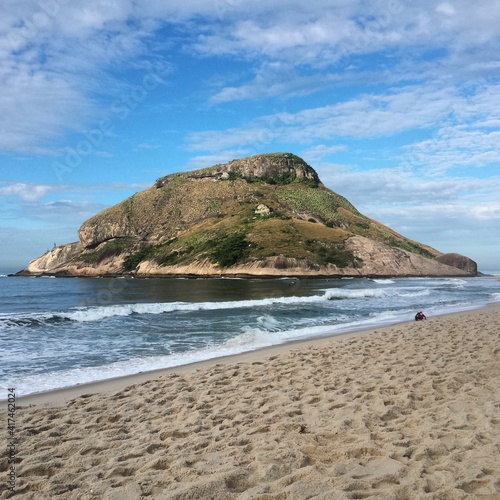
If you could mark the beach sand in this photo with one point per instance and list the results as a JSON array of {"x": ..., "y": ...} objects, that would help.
[{"x": 408, "y": 411}]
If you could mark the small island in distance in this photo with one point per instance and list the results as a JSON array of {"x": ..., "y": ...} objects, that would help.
[{"x": 266, "y": 215}]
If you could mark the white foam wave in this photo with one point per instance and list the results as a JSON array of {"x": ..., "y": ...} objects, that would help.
[
  {"x": 257, "y": 338},
  {"x": 252, "y": 339},
  {"x": 447, "y": 281},
  {"x": 354, "y": 293},
  {"x": 103, "y": 312},
  {"x": 269, "y": 323},
  {"x": 384, "y": 281},
  {"x": 99, "y": 313}
]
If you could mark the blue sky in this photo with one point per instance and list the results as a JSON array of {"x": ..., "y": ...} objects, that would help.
[{"x": 396, "y": 104}]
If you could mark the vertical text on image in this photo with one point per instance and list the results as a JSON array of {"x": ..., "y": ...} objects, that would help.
[{"x": 11, "y": 440}]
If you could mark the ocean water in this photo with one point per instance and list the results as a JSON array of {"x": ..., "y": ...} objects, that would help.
[{"x": 59, "y": 332}]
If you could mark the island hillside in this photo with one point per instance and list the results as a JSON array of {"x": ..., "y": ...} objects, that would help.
[{"x": 265, "y": 215}]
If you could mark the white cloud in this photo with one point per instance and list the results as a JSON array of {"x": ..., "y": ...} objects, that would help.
[
  {"x": 393, "y": 187},
  {"x": 27, "y": 191},
  {"x": 55, "y": 62},
  {"x": 446, "y": 8},
  {"x": 37, "y": 108},
  {"x": 469, "y": 138},
  {"x": 56, "y": 55},
  {"x": 316, "y": 154},
  {"x": 408, "y": 41},
  {"x": 368, "y": 115},
  {"x": 272, "y": 79},
  {"x": 256, "y": 38},
  {"x": 31, "y": 192},
  {"x": 252, "y": 136},
  {"x": 69, "y": 211},
  {"x": 203, "y": 161},
  {"x": 487, "y": 212}
]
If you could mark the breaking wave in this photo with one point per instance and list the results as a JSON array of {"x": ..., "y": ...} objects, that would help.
[{"x": 101, "y": 313}]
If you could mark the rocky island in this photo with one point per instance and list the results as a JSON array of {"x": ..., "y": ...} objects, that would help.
[{"x": 265, "y": 215}]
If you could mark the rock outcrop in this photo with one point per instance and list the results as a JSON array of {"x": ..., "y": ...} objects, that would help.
[
  {"x": 266, "y": 215},
  {"x": 468, "y": 266},
  {"x": 274, "y": 167},
  {"x": 52, "y": 260}
]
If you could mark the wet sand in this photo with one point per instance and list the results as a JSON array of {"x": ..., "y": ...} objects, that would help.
[{"x": 403, "y": 412}]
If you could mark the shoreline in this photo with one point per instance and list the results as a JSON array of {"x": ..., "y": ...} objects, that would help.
[
  {"x": 61, "y": 395},
  {"x": 29, "y": 385},
  {"x": 406, "y": 411},
  {"x": 268, "y": 276}
]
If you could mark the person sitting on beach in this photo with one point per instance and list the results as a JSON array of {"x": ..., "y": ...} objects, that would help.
[{"x": 420, "y": 316}]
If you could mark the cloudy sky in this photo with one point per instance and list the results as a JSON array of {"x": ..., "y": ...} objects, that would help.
[{"x": 395, "y": 103}]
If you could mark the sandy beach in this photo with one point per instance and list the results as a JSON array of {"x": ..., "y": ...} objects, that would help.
[{"x": 404, "y": 412}]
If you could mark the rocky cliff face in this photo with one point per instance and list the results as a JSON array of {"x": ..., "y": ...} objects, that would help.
[
  {"x": 467, "y": 265},
  {"x": 262, "y": 215},
  {"x": 276, "y": 168},
  {"x": 375, "y": 259},
  {"x": 53, "y": 259}
]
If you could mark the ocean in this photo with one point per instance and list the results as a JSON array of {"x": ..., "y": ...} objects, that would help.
[{"x": 60, "y": 332}]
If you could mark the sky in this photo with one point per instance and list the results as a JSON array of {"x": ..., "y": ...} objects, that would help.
[{"x": 395, "y": 103}]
